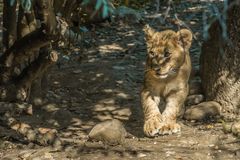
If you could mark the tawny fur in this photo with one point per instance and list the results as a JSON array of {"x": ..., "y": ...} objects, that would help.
[{"x": 167, "y": 72}]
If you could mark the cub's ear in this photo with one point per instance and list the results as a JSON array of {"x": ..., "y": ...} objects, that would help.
[
  {"x": 185, "y": 38},
  {"x": 149, "y": 32}
]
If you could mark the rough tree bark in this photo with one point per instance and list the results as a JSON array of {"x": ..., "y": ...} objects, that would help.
[
  {"x": 28, "y": 49},
  {"x": 30, "y": 40},
  {"x": 220, "y": 64}
]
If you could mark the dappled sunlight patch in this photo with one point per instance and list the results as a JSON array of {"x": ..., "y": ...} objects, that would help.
[
  {"x": 97, "y": 76},
  {"x": 107, "y": 101},
  {"x": 110, "y": 48},
  {"x": 119, "y": 81},
  {"x": 109, "y": 109},
  {"x": 102, "y": 107},
  {"x": 130, "y": 34},
  {"x": 195, "y": 8},
  {"x": 77, "y": 132},
  {"x": 122, "y": 114},
  {"x": 51, "y": 107},
  {"x": 76, "y": 122},
  {"x": 103, "y": 110},
  {"x": 103, "y": 117},
  {"x": 123, "y": 95}
]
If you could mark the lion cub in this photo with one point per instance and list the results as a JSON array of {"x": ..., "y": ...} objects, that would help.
[{"x": 168, "y": 68}]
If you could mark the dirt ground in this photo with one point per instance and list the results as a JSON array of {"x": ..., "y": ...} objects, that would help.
[{"x": 102, "y": 80}]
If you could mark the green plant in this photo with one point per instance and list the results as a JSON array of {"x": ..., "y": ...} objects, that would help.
[{"x": 26, "y": 4}]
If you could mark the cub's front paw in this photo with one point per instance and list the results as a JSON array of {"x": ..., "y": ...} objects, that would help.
[
  {"x": 169, "y": 128},
  {"x": 152, "y": 125}
]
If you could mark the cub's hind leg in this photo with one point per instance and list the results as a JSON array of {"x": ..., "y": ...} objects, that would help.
[{"x": 152, "y": 115}]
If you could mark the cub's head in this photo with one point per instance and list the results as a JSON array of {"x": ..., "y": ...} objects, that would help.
[{"x": 166, "y": 50}]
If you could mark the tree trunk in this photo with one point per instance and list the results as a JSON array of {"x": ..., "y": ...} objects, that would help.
[
  {"x": 220, "y": 64},
  {"x": 9, "y": 24},
  {"x": 30, "y": 40}
]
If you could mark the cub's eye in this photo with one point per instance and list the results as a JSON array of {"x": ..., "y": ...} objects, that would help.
[
  {"x": 151, "y": 54},
  {"x": 166, "y": 54}
]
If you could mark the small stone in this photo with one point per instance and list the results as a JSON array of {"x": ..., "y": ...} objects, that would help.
[
  {"x": 236, "y": 128},
  {"x": 77, "y": 71},
  {"x": 25, "y": 154},
  {"x": 99, "y": 74},
  {"x": 119, "y": 82},
  {"x": 141, "y": 155},
  {"x": 192, "y": 22},
  {"x": 24, "y": 107},
  {"x": 64, "y": 101},
  {"x": 194, "y": 99},
  {"x": 109, "y": 132},
  {"x": 57, "y": 144},
  {"x": 211, "y": 145},
  {"x": 50, "y": 107},
  {"x": 46, "y": 136},
  {"x": 227, "y": 127},
  {"x": 37, "y": 101},
  {"x": 48, "y": 156},
  {"x": 31, "y": 135},
  {"x": 108, "y": 90},
  {"x": 56, "y": 82},
  {"x": 169, "y": 153}
]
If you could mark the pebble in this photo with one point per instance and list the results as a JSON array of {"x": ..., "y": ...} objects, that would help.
[
  {"x": 169, "y": 153},
  {"x": 141, "y": 155},
  {"x": 194, "y": 99},
  {"x": 37, "y": 101},
  {"x": 77, "y": 71},
  {"x": 50, "y": 107},
  {"x": 236, "y": 128}
]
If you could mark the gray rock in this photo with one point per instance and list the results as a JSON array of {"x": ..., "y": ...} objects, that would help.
[
  {"x": 194, "y": 99},
  {"x": 202, "y": 111},
  {"x": 110, "y": 132},
  {"x": 236, "y": 128}
]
